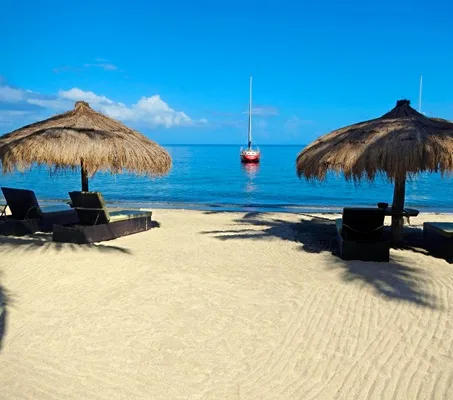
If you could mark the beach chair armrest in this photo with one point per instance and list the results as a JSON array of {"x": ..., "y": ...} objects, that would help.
[
  {"x": 88, "y": 208},
  {"x": 99, "y": 210},
  {"x": 31, "y": 209}
]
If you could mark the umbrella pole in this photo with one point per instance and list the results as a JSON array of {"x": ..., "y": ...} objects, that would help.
[
  {"x": 84, "y": 177},
  {"x": 398, "y": 207}
]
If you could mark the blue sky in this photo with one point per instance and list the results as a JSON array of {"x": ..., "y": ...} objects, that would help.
[{"x": 178, "y": 71}]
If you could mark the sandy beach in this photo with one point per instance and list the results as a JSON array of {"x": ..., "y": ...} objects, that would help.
[{"x": 223, "y": 306}]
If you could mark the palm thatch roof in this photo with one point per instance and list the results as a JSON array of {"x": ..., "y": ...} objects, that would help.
[
  {"x": 84, "y": 137},
  {"x": 401, "y": 141}
]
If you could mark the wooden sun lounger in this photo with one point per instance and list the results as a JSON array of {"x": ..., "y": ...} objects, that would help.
[
  {"x": 97, "y": 224},
  {"x": 28, "y": 217},
  {"x": 359, "y": 235},
  {"x": 439, "y": 238}
]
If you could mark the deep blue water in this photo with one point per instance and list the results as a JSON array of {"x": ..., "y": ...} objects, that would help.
[{"x": 213, "y": 177}]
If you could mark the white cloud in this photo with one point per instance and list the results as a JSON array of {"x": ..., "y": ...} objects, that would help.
[
  {"x": 8, "y": 117},
  {"x": 104, "y": 66},
  {"x": 54, "y": 104},
  {"x": 9, "y": 94},
  {"x": 147, "y": 111},
  {"x": 151, "y": 110},
  {"x": 261, "y": 123},
  {"x": 294, "y": 124},
  {"x": 67, "y": 68},
  {"x": 100, "y": 63},
  {"x": 263, "y": 111},
  {"x": 75, "y": 94}
]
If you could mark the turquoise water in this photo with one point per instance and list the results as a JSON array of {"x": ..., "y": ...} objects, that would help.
[{"x": 211, "y": 177}]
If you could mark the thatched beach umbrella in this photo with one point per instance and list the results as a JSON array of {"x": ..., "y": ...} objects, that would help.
[
  {"x": 400, "y": 143},
  {"x": 83, "y": 138}
]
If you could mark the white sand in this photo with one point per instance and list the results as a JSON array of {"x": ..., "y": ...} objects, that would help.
[{"x": 223, "y": 306}]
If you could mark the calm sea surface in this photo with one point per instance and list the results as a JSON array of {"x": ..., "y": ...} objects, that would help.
[{"x": 211, "y": 177}]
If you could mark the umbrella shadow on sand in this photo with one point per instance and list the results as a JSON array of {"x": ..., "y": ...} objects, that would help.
[{"x": 395, "y": 280}]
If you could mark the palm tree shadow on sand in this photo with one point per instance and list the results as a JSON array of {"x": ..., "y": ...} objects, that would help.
[
  {"x": 3, "y": 314},
  {"x": 394, "y": 280},
  {"x": 43, "y": 242}
]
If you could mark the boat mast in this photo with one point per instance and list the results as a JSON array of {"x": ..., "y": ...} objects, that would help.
[
  {"x": 250, "y": 115},
  {"x": 420, "y": 95}
]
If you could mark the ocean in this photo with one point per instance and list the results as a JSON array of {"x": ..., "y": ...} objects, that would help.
[{"x": 211, "y": 177}]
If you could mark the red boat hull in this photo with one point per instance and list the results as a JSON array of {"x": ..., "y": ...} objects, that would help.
[{"x": 250, "y": 158}]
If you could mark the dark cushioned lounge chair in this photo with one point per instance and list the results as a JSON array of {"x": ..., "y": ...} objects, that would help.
[
  {"x": 97, "y": 224},
  {"x": 28, "y": 217},
  {"x": 439, "y": 238},
  {"x": 359, "y": 235}
]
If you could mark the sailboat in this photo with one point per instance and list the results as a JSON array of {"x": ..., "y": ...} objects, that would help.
[{"x": 250, "y": 155}]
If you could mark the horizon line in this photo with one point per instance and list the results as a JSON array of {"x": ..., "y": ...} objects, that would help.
[{"x": 228, "y": 144}]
